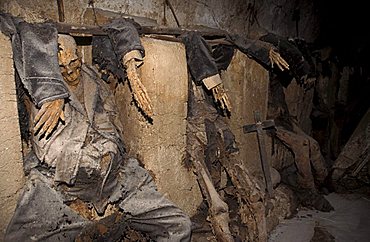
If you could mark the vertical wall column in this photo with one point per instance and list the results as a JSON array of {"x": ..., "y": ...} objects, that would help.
[
  {"x": 247, "y": 85},
  {"x": 161, "y": 145},
  {"x": 11, "y": 163}
]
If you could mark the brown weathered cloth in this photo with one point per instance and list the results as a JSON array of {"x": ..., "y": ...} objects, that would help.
[
  {"x": 307, "y": 156},
  {"x": 306, "y": 150}
]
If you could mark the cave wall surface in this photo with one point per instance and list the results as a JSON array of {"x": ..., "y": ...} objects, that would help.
[{"x": 11, "y": 160}]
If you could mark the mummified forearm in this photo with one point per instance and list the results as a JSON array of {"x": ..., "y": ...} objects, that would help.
[{"x": 138, "y": 89}]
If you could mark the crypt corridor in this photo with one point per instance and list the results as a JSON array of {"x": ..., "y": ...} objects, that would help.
[{"x": 210, "y": 68}]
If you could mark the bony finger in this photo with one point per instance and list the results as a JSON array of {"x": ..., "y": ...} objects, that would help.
[
  {"x": 62, "y": 116},
  {"x": 146, "y": 98},
  {"x": 144, "y": 92},
  {"x": 148, "y": 106},
  {"x": 222, "y": 105},
  {"x": 42, "y": 130},
  {"x": 278, "y": 63},
  {"x": 40, "y": 113},
  {"x": 40, "y": 123},
  {"x": 144, "y": 103},
  {"x": 282, "y": 61},
  {"x": 225, "y": 101},
  {"x": 139, "y": 83},
  {"x": 279, "y": 66},
  {"x": 37, "y": 127},
  {"x": 49, "y": 123},
  {"x": 50, "y": 114},
  {"x": 228, "y": 106},
  {"x": 286, "y": 65},
  {"x": 52, "y": 122},
  {"x": 215, "y": 90},
  {"x": 51, "y": 127},
  {"x": 226, "y": 98},
  {"x": 225, "y": 107}
]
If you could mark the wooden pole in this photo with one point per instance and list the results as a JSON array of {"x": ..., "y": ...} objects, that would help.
[
  {"x": 61, "y": 10},
  {"x": 95, "y": 30}
]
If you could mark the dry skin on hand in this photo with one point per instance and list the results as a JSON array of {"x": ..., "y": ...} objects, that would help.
[
  {"x": 275, "y": 58},
  {"x": 138, "y": 89},
  {"x": 221, "y": 97}
]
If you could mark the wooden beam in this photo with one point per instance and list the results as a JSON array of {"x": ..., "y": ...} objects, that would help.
[
  {"x": 95, "y": 30},
  {"x": 173, "y": 13}
]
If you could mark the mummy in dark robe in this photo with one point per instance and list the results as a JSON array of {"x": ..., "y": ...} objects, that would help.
[{"x": 82, "y": 161}]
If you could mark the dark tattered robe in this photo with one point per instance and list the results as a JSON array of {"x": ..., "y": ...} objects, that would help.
[
  {"x": 86, "y": 151},
  {"x": 84, "y": 159}
]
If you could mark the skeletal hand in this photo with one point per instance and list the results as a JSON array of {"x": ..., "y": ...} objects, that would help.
[
  {"x": 275, "y": 58},
  {"x": 138, "y": 89},
  {"x": 48, "y": 116},
  {"x": 221, "y": 97}
]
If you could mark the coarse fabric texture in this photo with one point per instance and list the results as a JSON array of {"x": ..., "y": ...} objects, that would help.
[
  {"x": 124, "y": 36},
  {"x": 256, "y": 49},
  {"x": 90, "y": 132},
  {"x": 108, "y": 51},
  {"x": 298, "y": 64},
  {"x": 199, "y": 57},
  {"x": 84, "y": 159},
  {"x": 42, "y": 214},
  {"x": 35, "y": 49},
  {"x": 105, "y": 58}
]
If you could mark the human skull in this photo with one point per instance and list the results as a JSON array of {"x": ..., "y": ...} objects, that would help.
[{"x": 69, "y": 61}]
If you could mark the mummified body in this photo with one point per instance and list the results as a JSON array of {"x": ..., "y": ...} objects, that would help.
[
  {"x": 82, "y": 161},
  {"x": 310, "y": 166}
]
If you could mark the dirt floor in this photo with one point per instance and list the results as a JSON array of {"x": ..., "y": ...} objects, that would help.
[{"x": 349, "y": 222}]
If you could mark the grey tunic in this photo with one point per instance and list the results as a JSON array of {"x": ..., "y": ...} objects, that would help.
[
  {"x": 84, "y": 158},
  {"x": 34, "y": 52}
]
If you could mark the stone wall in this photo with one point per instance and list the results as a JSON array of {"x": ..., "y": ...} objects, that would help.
[
  {"x": 162, "y": 144},
  {"x": 247, "y": 85},
  {"x": 11, "y": 160}
]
